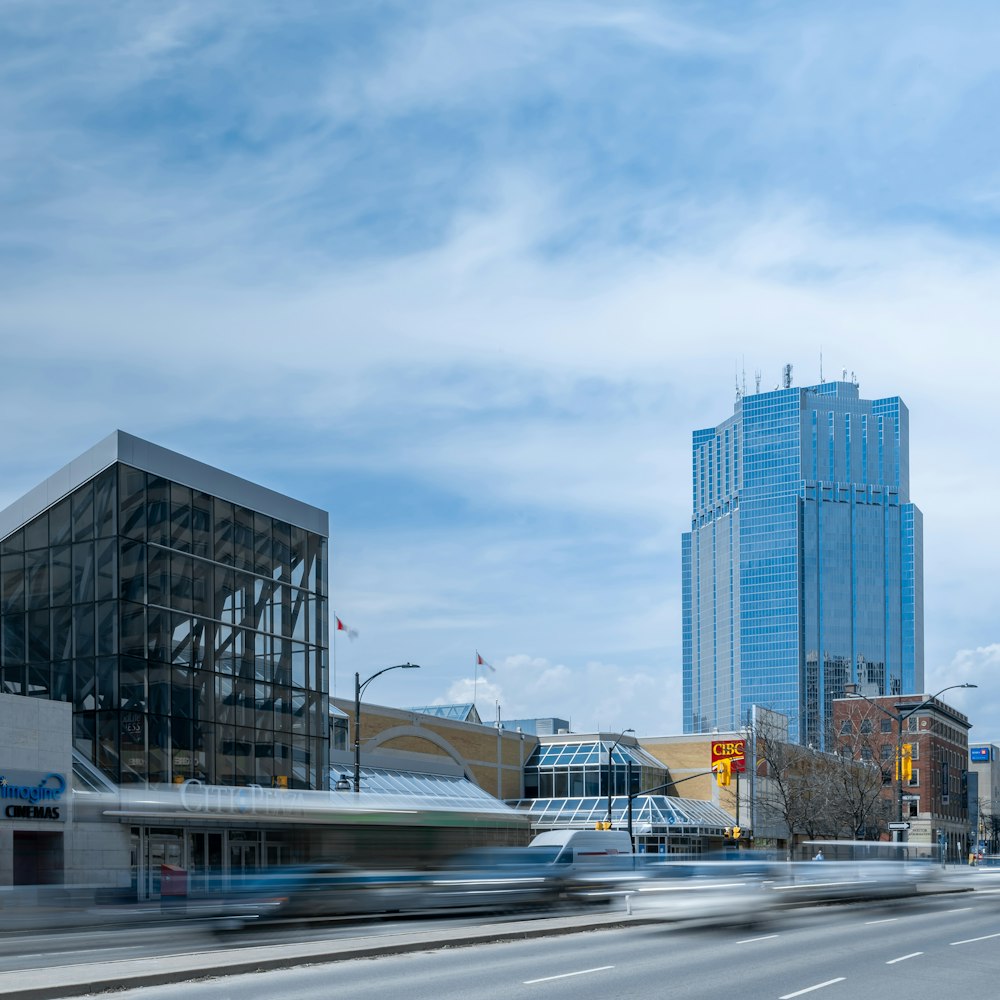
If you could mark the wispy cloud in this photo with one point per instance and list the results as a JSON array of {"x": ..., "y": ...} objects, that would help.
[{"x": 469, "y": 278}]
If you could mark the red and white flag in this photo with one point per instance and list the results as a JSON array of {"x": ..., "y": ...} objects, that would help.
[
  {"x": 341, "y": 627},
  {"x": 480, "y": 662}
]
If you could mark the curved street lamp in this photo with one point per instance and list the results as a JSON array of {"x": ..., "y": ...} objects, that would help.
[
  {"x": 900, "y": 718},
  {"x": 611, "y": 750},
  {"x": 359, "y": 687}
]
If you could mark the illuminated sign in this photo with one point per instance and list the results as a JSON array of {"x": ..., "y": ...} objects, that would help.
[
  {"x": 28, "y": 795},
  {"x": 979, "y": 754},
  {"x": 731, "y": 750}
]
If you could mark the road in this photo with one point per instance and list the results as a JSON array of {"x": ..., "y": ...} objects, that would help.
[{"x": 858, "y": 952}]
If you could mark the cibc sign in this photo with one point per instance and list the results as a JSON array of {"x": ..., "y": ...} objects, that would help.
[
  {"x": 734, "y": 751},
  {"x": 32, "y": 795}
]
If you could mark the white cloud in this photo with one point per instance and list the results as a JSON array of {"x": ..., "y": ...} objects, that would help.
[{"x": 494, "y": 269}]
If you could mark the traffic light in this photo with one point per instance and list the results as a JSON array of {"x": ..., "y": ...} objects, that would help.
[
  {"x": 603, "y": 824},
  {"x": 736, "y": 833},
  {"x": 907, "y": 762},
  {"x": 723, "y": 772}
]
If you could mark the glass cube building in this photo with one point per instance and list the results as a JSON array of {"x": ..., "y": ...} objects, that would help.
[
  {"x": 180, "y": 609},
  {"x": 803, "y": 568}
]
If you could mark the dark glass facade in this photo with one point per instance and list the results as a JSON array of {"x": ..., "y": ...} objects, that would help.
[
  {"x": 803, "y": 567},
  {"x": 189, "y": 632}
]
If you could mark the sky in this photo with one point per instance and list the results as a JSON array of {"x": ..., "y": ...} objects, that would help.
[{"x": 467, "y": 276}]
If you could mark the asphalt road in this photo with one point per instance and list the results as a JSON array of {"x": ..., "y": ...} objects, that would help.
[{"x": 947, "y": 943}]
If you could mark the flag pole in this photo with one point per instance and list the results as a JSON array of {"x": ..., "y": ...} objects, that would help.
[
  {"x": 333, "y": 679},
  {"x": 475, "y": 682}
]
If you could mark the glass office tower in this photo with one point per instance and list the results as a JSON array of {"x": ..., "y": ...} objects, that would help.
[
  {"x": 803, "y": 568},
  {"x": 180, "y": 609}
]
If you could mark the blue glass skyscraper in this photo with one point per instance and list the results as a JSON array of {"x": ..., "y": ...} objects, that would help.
[{"x": 803, "y": 568}]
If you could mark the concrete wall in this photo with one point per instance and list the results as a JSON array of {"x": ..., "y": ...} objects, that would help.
[{"x": 36, "y": 737}]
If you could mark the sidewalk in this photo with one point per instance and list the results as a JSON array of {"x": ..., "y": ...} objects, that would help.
[{"x": 80, "y": 980}]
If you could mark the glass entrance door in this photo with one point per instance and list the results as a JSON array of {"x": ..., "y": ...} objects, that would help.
[
  {"x": 163, "y": 847},
  {"x": 205, "y": 868},
  {"x": 244, "y": 854}
]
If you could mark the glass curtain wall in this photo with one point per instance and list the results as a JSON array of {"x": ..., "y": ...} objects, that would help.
[{"x": 189, "y": 633}]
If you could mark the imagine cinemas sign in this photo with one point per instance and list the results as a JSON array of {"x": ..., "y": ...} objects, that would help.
[{"x": 31, "y": 795}]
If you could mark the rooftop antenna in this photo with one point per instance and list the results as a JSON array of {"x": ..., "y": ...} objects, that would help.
[
  {"x": 844, "y": 375},
  {"x": 786, "y": 378},
  {"x": 744, "y": 376},
  {"x": 821, "y": 379},
  {"x": 736, "y": 376},
  {"x": 756, "y": 378}
]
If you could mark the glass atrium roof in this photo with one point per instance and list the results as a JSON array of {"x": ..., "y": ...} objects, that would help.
[
  {"x": 435, "y": 791},
  {"x": 590, "y": 752},
  {"x": 649, "y": 811},
  {"x": 461, "y": 713}
]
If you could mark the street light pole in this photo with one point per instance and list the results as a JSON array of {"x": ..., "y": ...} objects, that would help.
[
  {"x": 611, "y": 750},
  {"x": 359, "y": 687},
  {"x": 900, "y": 718}
]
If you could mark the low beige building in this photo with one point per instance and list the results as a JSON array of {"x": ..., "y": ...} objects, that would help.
[{"x": 415, "y": 741}]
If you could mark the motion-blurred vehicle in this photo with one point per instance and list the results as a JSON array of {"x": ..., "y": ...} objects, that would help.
[
  {"x": 497, "y": 878},
  {"x": 323, "y": 889},
  {"x": 715, "y": 892}
]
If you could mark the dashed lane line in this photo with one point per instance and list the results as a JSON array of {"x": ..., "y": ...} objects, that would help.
[
  {"x": 903, "y": 958},
  {"x": 763, "y": 937},
  {"x": 809, "y": 989},
  {"x": 566, "y": 975},
  {"x": 985, "y": 937}
]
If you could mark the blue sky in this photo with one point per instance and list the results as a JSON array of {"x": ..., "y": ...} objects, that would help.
[{"x": 468, "y": 275}]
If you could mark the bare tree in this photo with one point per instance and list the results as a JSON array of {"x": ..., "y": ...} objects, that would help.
[
  {"x": 862, "y": 809},
  {"x": 820, "y": 794}
]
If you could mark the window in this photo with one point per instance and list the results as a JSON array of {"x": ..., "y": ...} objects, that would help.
[
  {"x": 866, "y": 727},
  {"x": 915, "y": 779},
  {"x": 846, "y": 728},
  {"x": 886, "y": 725},
  {"x": 887, "y": 751}
]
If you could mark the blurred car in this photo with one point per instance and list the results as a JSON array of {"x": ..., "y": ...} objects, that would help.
[
  {"x": 501, "y": 878},
  {"x": 324, "y": 889},
  {"x": 716, "y": 892}
]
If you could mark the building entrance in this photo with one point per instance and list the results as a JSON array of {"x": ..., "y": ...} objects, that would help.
[
  {"x": 210, "y": 859},
  {"x": 244, "y": 853}
]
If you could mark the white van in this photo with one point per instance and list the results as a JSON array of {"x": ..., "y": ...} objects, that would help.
[{"x": 582, "y": 846}]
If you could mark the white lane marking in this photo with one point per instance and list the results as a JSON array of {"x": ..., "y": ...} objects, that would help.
[
  {"x": 765, "y": 937},
  {"x": 566, "y": 975},
  {"x": 961, "y": 909},
  {"x": 903, "y": 958},
  {"x": 985, "y": 937},
  {"x": 809, "y": 989},
  {"x": 887, "y": 920}
]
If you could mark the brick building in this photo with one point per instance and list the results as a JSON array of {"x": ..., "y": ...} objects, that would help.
[{"x": 935, "y": 796}]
